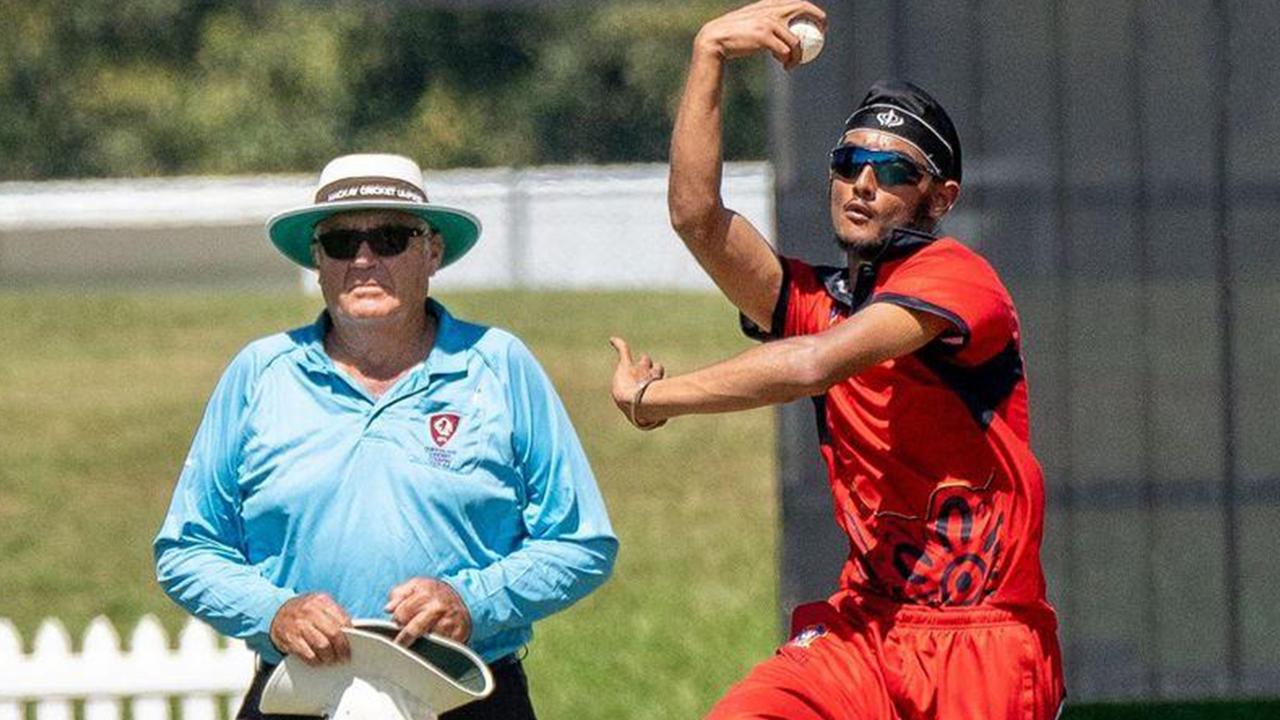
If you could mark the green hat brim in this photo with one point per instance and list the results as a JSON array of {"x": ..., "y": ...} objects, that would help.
[{"x": 292, "y": 230}]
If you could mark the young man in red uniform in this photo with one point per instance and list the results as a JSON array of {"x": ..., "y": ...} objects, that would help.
[{"x": 912, "y": 356}]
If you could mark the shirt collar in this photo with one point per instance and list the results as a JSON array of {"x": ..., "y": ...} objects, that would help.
[
  {"x": 851, "y": 292},
  {"x": 903, "y": 242},
  {"x": 448, "y": 353}
]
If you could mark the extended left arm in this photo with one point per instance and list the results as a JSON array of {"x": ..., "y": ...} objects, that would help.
[{"x": 779, "y": 371}]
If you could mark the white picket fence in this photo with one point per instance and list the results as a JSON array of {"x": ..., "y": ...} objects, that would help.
[{"x": 105, "y": 675}]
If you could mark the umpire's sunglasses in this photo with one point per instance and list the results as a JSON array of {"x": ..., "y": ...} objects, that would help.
[
  {"x": 891, "y": 168},
  {"x": 385, "y": 241}
]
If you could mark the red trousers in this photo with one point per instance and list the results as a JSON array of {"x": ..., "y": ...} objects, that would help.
[{"x": 855, "y": 659}]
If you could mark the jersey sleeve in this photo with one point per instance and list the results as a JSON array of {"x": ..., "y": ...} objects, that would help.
[
  {"x": 801, "y": 301},
  {"x": 570, "y": 547},
  {"x": 200, "y": 551},
  {"x": 952, "y": 282}
]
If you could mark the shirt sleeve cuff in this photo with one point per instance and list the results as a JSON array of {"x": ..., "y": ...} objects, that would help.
[
  {"x": 260, "y": 639},
  {"x": 481, "y": 605},
  {"x": 778, "y": 322},
  {"x": 956, "y": 338}
]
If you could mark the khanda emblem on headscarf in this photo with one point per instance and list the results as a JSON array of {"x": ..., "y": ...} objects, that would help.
[{"x": 889, "y": 118}]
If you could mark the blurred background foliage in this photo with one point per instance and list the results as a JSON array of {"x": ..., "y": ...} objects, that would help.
[{"x": 163, "y": 87}]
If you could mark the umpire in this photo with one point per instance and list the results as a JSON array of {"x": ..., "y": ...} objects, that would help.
[{"x": 388, "y": 461}]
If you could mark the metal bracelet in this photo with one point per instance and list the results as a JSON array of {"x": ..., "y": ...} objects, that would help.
[{"x": 635, "y": 405}]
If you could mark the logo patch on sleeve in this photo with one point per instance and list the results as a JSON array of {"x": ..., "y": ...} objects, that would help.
[
  {"x": 443, "y": 427},
  {"x": 805, "y": 637}
]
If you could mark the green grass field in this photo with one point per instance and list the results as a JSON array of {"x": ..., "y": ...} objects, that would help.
[{"x": 100, "y": 396}]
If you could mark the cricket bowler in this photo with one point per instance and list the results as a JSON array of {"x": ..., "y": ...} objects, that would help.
[{"x": 911, "y": 353}]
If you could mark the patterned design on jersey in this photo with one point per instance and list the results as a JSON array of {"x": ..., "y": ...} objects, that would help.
[{"x": 951, "y": 558}]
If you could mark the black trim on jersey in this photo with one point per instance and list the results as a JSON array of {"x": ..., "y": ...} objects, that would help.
[
  {"x": 903, "y": 242},
  {"x": 982, "y": 387},
  {"x": 915, "y": 303},
  {"x": 779, "y": 319},
  {"x": 820, "y": 414}
]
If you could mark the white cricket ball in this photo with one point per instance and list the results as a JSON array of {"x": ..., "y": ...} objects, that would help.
[{"x": 810, "y": 38}]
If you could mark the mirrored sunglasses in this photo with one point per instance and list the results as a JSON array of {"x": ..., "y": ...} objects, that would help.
[{"x": 890, "y": 167}]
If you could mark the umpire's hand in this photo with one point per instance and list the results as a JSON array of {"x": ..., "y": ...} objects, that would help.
[
  {"x": 421, "y": 605},
  {"x": 310, "y": 627}
]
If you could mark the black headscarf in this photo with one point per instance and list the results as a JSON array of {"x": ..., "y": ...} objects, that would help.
[{"x": 902, "y": 109}]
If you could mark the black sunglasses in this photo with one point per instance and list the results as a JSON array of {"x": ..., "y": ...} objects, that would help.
[
  {"x": 891, "y": 168},
  {"x": 385, "y": 241}
]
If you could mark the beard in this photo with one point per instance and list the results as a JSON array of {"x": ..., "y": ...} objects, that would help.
[{"x": 920, "y": 221}]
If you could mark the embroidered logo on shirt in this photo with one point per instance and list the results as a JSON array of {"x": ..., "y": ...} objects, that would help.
[{"x": 442, "y": 426}]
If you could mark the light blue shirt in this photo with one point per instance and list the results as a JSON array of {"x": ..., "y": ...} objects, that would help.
[{"x": 467, "y": 470}]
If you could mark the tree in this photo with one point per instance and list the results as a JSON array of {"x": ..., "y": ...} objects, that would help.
[{"x": 156, "y": 87}]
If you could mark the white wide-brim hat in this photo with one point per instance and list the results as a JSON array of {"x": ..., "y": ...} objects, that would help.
[
  {"x": 435, "y": 673},
  {"x": 371, "y": 182}
]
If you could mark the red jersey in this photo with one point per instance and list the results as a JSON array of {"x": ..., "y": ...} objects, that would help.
[{"x": 928, "y": 454}]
